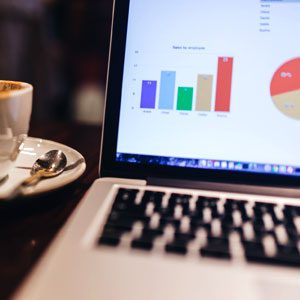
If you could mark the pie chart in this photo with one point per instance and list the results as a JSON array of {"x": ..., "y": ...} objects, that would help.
[{"x": 285, "y": 88}]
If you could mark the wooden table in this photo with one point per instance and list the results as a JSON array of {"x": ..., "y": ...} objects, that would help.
[{"x": 27, "y": 228}]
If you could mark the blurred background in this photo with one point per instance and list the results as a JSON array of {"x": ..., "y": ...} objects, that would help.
[{"x": 61, "y": 48}]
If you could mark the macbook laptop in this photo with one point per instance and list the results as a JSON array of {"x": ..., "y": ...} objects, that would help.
[{"x": 198, "y": 195}]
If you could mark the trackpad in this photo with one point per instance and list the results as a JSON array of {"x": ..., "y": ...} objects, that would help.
[{"x": 278, "y": 290}]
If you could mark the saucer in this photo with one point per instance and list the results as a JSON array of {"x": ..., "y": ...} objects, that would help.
[{"x": 34, "y": 148}]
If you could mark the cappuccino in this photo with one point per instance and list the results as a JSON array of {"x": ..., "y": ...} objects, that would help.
[{"x": 15, "y": 112}]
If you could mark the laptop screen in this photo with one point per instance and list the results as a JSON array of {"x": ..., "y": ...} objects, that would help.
[{"x": 212, "y": 85}]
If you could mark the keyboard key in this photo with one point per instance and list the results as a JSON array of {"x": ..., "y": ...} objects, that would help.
[
  {"x": 264, "y": 207},
  {"x": 129, "y": 208},
  {"x": 227, "y": 219},
  {"x": 117, "y": 218},
  {"x": 293, "y": 235},
  {"x": 288, "y": 217},
  {"x": 270, "y": 246},
  {"x": 248, "y": 231},
  {"x": 253, "y": 250},
  {"x": 281, "y": 235},
  {"x": 286, "y": 255},
  {"x": 297, "y": 224},
  {"x": 177, "y": 247},
  {"x": 149, "y": 232},
  {"x": 207, "y": 201},
  {"x": 182, "y": 201},
  {"x": 165, "y": 211},
  {"x": 198, "y": 223},
  {"x": 258, "y": 224},
  {"x": 179, "y": 199},
  {"x": 196, "y": 215},
  {"x": 276, "y": 215},
  {"x": 207, "y": 217},
  {"x": 188, "y": 236},
  {"x": 268, "y": 221},
  {"x": 244, "y": 214},
  {"x": 164, "y": 221},
  {"x": 110, "y": 236},
  {"x": 232, "y": 204},
  {"x": 216, "y": 247},
  {"x": 126, "y": 195},
  {"x": 121, "y": 227},
  {"x": 216, "y": 228},
  {"x": 237, "y": 218},
  {"x": 154, "y": 221},
  {"x": 180, "y": 242},
  {"x": 143, "y": 243},
  {"x": 109, "y": 240},
  {"x": 214, "y": 212},
  {"x": 293, "y": 210},
  {"x": 152, "y": 196}
]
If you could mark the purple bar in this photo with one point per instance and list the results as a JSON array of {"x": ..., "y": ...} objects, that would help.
[{"x": 148, "y": 94}]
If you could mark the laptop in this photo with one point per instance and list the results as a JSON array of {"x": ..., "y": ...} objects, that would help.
[{"x": 198, "y": 193}]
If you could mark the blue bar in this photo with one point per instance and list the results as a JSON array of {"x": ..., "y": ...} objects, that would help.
[
  {"x": 167, "y": 90},
  {"x": 148, "y": 94}
]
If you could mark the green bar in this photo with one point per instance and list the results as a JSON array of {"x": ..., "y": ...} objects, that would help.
[{"x": 185, "y": 98}]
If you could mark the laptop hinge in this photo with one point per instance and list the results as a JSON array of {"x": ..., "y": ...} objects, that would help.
[{"x": 226, "y": 187}]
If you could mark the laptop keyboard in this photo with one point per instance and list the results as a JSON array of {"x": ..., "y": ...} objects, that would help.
[{"x": 209, "y": 226}]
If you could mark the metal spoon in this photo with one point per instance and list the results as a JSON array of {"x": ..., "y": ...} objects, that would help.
[{"x": 48, "y": 165}]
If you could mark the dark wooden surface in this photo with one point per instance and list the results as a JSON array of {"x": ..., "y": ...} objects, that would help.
[{"x": 27, "y": 226}]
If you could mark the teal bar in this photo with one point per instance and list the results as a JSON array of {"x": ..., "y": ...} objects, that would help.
[{"x": 185, "y": 98}]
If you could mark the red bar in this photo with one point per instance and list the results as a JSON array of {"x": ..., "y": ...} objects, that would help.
[{"x": 224, "y": 80}]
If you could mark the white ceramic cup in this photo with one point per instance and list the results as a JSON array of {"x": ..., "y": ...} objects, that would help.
[{"x": 15, "y": 112}]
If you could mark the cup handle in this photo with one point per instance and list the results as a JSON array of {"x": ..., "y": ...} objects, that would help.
[{"x": 18, "y": 146}]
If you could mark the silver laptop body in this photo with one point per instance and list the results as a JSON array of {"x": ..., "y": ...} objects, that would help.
[{"x": 199, "y": 190}]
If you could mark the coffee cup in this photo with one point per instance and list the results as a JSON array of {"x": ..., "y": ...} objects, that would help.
[{"x": 15, "y": 112}]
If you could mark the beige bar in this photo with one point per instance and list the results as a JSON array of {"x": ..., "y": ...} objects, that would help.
[{"x": 204, "y": 92}]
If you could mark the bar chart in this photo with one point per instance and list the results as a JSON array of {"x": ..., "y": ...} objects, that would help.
[{"x": 208, "y": 93}]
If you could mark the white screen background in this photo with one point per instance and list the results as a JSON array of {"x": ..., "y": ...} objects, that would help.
[{"x": 254, "y": 130}]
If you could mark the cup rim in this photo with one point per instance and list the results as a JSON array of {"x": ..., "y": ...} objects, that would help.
[{"x": 26, "y": 87}]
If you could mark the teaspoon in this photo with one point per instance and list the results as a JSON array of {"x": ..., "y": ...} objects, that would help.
[{"x": 48, "y": 165}]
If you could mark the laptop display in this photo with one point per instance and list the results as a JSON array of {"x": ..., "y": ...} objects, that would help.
[{"x": 212, "y": 85}]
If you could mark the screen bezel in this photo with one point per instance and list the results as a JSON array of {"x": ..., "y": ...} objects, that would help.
[{"x": 109, "y": 167}]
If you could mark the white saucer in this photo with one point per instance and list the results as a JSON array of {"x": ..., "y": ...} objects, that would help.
[{"x": 33, "y": 148}]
